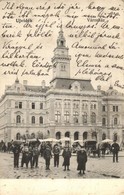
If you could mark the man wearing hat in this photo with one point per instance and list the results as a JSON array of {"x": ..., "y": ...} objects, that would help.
[
  {"x": 47, "y": 156},
  {"x": 36, "y": 153},
  {"x": 66, "y": 155},
  {"x": 81, "y": 159},
  {"x": 56, "y": 152},
  {"x": 16, "y": 151},
  {"x": 115, "y": 150},
  {"x": 25, "y": 151}
]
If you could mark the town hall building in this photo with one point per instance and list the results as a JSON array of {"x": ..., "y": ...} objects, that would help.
[{"x": 66, "y": 108}]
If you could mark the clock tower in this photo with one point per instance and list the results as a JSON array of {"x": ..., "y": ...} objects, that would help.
[{"x": 61, "y": 58}]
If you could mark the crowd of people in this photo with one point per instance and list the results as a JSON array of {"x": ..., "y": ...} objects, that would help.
[{"x": 30, "y": 153}]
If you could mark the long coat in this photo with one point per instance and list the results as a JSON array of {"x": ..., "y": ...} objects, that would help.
[
  {"x": 66, "y": 155},
  {"x": 81, "y": 160}
]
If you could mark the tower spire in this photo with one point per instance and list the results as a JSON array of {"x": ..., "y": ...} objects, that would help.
[
  {"x": 61, "y": 39},
  {"x": 61, "y": 57}
]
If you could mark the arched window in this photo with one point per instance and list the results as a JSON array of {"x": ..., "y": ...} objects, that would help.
[
  {"x": 103, "y": 136},
  {"x": 84, "y": 118},
  {"x": 57, "y": 116},
  {"x": 103, "y": 121},
  {"x": 93, "y": 118},
  {"x": 18, "y": 136},
  {"x": 75, "y": 117},
  {"x": 115, "y": 121},
  {"x": 66, "y": 117},
  {"x": 76, "y": 135},
  {"x": 33, "y": 119},
  {"x": 115, "y": 137},
  {"x": 41, "y": 120},
  {"x": 67, "y": 134},
  {"x": 18, "y": 119},
  {"x": 85, "y": 135},
  {"x": 58, "y": 135},
  {"x": 94, "y": 135}
]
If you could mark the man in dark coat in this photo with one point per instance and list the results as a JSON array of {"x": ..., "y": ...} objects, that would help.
[
  {"x": 56, "y": 152},
  {"x": 25, "y": 151},
  {"x": 36, "y": 153},
  {"x": 47, "y": 156},
  {"x": 66, "y": 155},
  {"x": 30, "y": 156},
  {"x": 115, "y": 150},
  {"x": 81, "y": 160},
  {"x": 16, "y": 151}
]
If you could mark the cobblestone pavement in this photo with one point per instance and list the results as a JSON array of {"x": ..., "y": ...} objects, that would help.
[{"x": 102, "y": 168}]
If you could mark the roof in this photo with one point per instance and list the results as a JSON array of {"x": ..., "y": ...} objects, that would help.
[
  {"x": 36, "y": 88},
  {"x": 66, "y": 83}
]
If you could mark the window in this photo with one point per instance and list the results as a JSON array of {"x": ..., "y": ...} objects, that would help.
[
  {"x": 85, "y": 135},
  {"x": 91, "y": 106},
  {"x": 33, "y": 119},
  {"x": 84, "y": 117},
  {"x": 18, "y": 136},
  {"x": 115, "y": 108},
  {"x": 41, "y": 105},
  {"x": 20, "y": 104},
  {"x": 16, "y": 104},
  {"x": 62, "y": 43},
  {"x": 104, "y": 121},
  {"x": 103, "y": 108},
  {"x": 93, "y": 118},
  {"x": 103, "y": 136},
  {"x": 75, "y": 117},
  {"x": 115, "y": 137},
  {"x": 33, "y": 105},
  {"x": 57, "y": 116},
  {"x": 18, "y": 119},
  {"x": 41, "y": 120},
  {"x": 66, "y": 117},
  {"x": 62, "y": 67},
  {"x": 115, "y": 121}
]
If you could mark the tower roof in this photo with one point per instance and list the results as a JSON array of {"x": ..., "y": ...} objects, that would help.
[{"x": 61, "y": 39}]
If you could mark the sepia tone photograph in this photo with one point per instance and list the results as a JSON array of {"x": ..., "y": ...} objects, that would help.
[{"x": 62, "y": 92}]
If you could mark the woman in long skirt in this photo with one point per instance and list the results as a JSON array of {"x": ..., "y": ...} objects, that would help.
[
  {"x": 66, "y": 155},
  {"x": 81, "y": 160}
]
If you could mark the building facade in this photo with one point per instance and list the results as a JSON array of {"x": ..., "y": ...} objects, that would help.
[{"x": 66, "y": 108}]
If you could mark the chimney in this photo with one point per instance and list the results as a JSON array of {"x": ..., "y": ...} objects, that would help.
[
  {"x": 99, "y": 88},
  {"x": 43, "y": 84},
  {"x": 25, "y": 82}
]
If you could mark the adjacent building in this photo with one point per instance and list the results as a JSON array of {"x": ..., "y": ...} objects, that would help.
[{"x": 66, "y": 108}]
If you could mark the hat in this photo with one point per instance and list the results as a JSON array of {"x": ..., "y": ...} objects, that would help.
[{"x": 47, "y": 146}]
